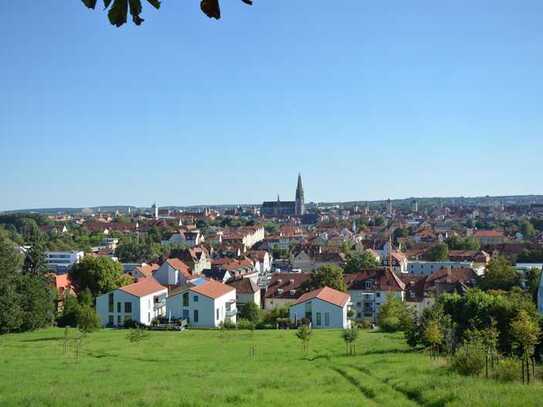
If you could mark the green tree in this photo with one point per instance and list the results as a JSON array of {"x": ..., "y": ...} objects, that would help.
[
  {"x": 458, "y": 243},
  {"x": 328, "y": 275},
  {"x": 98, "y": 274},
  {"x": 357, "y": 262},
  {"x": 525, "y": 331},
  {"x": 433, "y": 335},
  {"x": 350, "y": 335},
  {"x": 304, "y": 334},
  {"x": 499, "y": 275},
  {"x": 394, "y": 315},
  {"x": 250, "y": 311},
  {"x": 533, "y": 278},
  {"x": 87, "y": 320},
  {"x": 11, "y": 313},
  {"x": 527, "y": 229},
  {"x": 439, "y": 252},
  {"x": 37, "y": 301}
]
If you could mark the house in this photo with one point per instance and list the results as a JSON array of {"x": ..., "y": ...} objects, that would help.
[
  {"x": 62, "y": 262},
  {"x": 208, "y": 304},
  {"x": 421, "y": 291},
  {"x": 140, "y": 302},
  {"x": 369, "y": 289},
  {"x": 173, "y": 272},
  {"x": 428, "y": 267},
  {"x": 197, "y": 258},
  {"x": 284, "y": 289},
  {"x": 262, "y": 260},
  {"x": 142, "y": 270},
  {"x": 246, "y": 291},
  {"x": 323, "y": 307},
  {"x": 63, "y": 286},
  {"x": 489, "y": 237},
  {"x": 311, "y": 258}
]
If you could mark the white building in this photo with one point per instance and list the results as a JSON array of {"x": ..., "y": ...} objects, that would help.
[
  {"x": 246, "y": 291},
  {"x": 139, "y": 302},
  {"x": 428, "y": 267},
  {"x": 206, "y": 305},
  {"x": 61, "y": 262},
  {"x": 324, "y": 307},
  {"x": 173, "y": 272}
]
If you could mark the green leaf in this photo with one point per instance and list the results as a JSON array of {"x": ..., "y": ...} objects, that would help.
[
  {"x": 135, "y": 11},
  {"x": 89, "y": 3},
  {"x": 118, "y": 13},
  {"x": 154, "y": 3}
]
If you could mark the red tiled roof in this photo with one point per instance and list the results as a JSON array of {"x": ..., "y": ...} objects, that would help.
[
  {"x": 179, "y": 265},
  {"x": 212, "y": 289},
  {"x": 383, "y": 280},
  {"x": 143, "y": 287},
  {"x": 244, "y": 286},
  {"x": 488, "y": 233},
  {"x": 326, "y": 294},
  {"x": 286, "y": 282}
]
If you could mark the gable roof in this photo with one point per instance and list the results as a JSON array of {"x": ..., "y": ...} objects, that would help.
[
  {"x": 212, "y": 289},
  {"x": 327, "y": 294},
  {"x": 286, "y": 285},
  {"x": 143, "y": 287},
  {"x": 383, "y": 280},
  {"x": 244, "y": 286},
  {"x": 179, "y": 265}
]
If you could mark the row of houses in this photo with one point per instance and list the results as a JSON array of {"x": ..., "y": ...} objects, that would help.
[{"x": 205, "y": 303}]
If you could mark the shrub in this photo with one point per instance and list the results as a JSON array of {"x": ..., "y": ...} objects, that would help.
[
  {"x": 390, "y": 324},
  {"x": 246, "y": 324},
  {"x": 87, "y": 319},
  {"x": 469, "y": 359},
  {"x": 507, "y": 370},
  {"x": 228, "y": 325},
  {"x": 364, "y": 324}
]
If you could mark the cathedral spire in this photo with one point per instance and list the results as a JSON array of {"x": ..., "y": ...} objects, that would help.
[{"x": 300, "y": 204}]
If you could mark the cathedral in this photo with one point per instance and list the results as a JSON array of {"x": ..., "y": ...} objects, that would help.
[{"x": 286, "y": 208}]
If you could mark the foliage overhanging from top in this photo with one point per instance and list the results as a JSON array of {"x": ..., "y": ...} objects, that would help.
[{"x": 118, "y": 9}]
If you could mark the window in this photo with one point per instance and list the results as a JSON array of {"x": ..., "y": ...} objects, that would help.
[
  {"x": 185, "y": 299},
  {"x": 217, "y": 313},
  {"x": 318, "y": 319},
  {"x": 195, "y": 319},
  {"x": 195, "y": 298},
  {"x": 119, "y": 319},
  {"x": 326, "y": 319},
  {"x": 378, "y": 295},
  {"x": 118, "y": 307},
  {"x": 149, "y": 317},
  {"x": 127, "y": 307},
  {"x": 110, "y": 302},
  {"x": 110, "y": 320}
]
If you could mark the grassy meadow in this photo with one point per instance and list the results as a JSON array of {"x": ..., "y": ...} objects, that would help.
[{"x": 216, "y": 368}]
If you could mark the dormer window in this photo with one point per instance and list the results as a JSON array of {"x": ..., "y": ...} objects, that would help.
[{"x": 368, "y": 284}]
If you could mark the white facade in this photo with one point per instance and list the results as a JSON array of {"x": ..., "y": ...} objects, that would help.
[
  {"x": 201, "y": 311},
  {"x": 323, "y": 314},
  {"x": 366, "y": 303},
  {"x": 62, "y": 261},
  {"x": 428, "y": 267},
  {"x": 168, "y": 275},
  {"x": 117, "y": 307}
]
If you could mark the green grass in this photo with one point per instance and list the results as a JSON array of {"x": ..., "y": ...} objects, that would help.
[{"x": 214, "y": 368}]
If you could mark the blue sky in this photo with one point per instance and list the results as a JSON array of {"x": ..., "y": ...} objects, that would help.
[{"x": 368, "y": 100}]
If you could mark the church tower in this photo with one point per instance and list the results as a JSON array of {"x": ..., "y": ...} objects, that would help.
[{"x": 300, "y": 204}]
